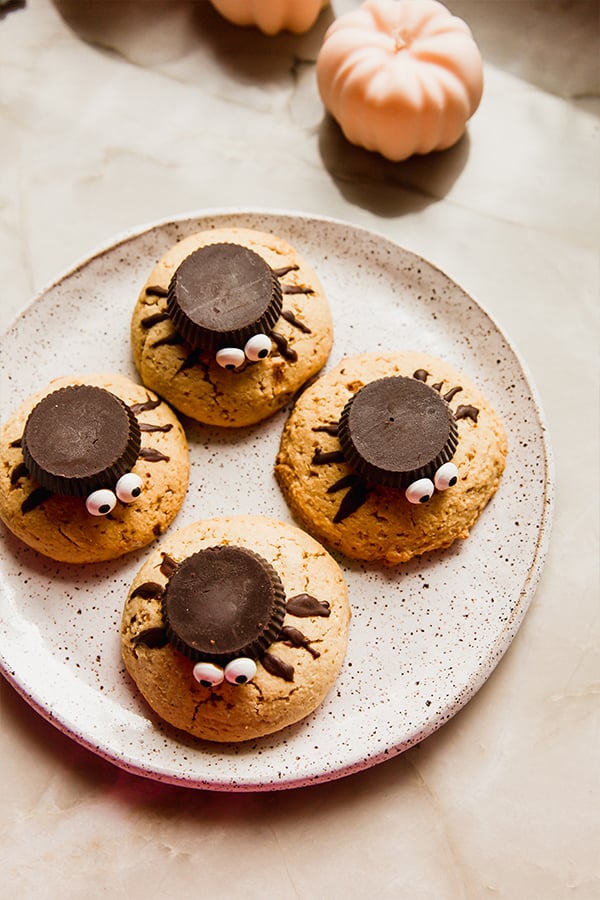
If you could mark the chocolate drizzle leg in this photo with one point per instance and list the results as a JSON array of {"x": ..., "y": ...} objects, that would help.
[
  {"x": 303, "y": 606},
  {"x": 285, "y": 269},
  {"x": 276, "y": 666},
  {"x": 19, "y": 471},
  {"x": 35, "y": 499},
  {"x": 168, "y": 565},
  {"x": 148, "y": 590},
  {"x": 466, "y": 412},
  {"x": 154, "y": 319},
  {"x": 328, "y": 429},
  {"x": 289, "y": 316},
  {"x": 296, "y": 289},
  {"x": 293, "y": 637},
  {"x": 283, "y": 347},
  {"x": 346, "y": 481},
  {"x": 146, "y": 426},
  {"x": 324, "y": 458},
  {"x": 152, "y": 638},
  {"x": 191, "y": 360},
  {"x": 155, "y": 290},
  {"x": 151, "y": 455},
  {"x": 146, "y": 406},
  {"x": 450, "y": 394},
  {"x": 170, "y": 340},
  {"x": 353, "y": 500}
]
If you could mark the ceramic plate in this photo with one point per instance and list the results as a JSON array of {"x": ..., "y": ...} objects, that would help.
[{"x": 424, "y": 637}]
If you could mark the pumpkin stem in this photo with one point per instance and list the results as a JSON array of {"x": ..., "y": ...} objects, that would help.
[{"x": 400, "y": 39}]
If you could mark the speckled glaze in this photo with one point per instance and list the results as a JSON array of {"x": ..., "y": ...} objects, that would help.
[{"x": 424, "y": 637}]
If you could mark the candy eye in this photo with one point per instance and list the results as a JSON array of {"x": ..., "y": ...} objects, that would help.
[
  {"x": 207, "y": 674},
  {"x": 419, "y": 491},
  {"x": 241, "y": 670},
  {"x": 129, "y": 487},
  {"x": 446, "y": 476},
  {"x": 230, "y": 357},
  {"x": 258, "y": 347},
  {"x": 100, "y": 503}
]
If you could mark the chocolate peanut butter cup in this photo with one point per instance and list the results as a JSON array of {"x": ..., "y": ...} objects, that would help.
[
  {"x": 396, "y": 430},
  {"x": 80, "y": 438},
  {"x": 223, "y": 602},
  {"x": 223, "y": 294}
]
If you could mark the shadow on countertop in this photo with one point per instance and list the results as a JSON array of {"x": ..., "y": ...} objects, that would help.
[
  {"x": 151, "y": 33},
  {"x": 387, "y": 188},
  {"x": 552, "y": 44}
]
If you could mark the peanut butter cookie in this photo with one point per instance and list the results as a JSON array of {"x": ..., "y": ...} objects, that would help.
[
  {"x": 390, "y": 455},
  {"x": 93, "y": 467},
  {"x": 236, "y": 627},
  {"x": 229, "y": 325}
]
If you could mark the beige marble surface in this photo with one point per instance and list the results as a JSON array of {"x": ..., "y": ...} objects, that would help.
[{"x": 116, "y": 113}]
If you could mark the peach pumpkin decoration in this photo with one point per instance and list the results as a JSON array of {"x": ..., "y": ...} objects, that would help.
[
  {"x": 272, "y": 16},
  {"x": 400, "y": 76}
]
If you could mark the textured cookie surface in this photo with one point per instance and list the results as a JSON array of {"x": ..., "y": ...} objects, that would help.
[
  {"x": 268, "y": 703},
  {"x": 193, "y": 382},
  {"x": 385, "y": 527},
  {"x": 60, "y": 527}
]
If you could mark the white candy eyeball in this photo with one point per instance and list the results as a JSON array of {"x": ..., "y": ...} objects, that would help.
[
  {"x": 230, "y": 357},
  {"x": 419, "y": 491},
  {"x": 446, "y": 476},
  {"x": 258, "y": 347},
  {"x": 100, "y": 503},
  {"x": 241, "y": 670},
  {"x": 207, "y": 674},
  {"x": 129, "y": 487}
]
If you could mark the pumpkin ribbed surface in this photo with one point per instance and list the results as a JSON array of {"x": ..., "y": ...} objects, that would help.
[
  {"x": 400, "y": 76},
  {"x": 272, "y": 16}
]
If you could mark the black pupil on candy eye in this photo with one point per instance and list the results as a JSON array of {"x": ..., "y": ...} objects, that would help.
[
  {"x": 241, "y": 679},
  {"x": 262, "y": 354},
  {"x": 104, "y": 508},
  {"x": 423, "y": 499},
  {"x": 136, "y": 492},
  {"x": 206, "y": 683}
]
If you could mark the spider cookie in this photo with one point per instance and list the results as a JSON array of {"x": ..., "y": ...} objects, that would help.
[
  {"x": 92, "y": 467},
  {"x": 229, "y": 325},
  {"x": 236, "y": 627},
  {"x": 390, "y": 455}
]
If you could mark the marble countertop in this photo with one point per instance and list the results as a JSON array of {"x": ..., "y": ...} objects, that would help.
[{"x": 113, "y": 114}]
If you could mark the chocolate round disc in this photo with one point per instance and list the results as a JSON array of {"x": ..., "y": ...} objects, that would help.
[
  {"x": 80, "y": 438},
  {"x": 223, "y": 602},
  {"x": 223, "y": 294},
  {"x": 396, "y": 430}
]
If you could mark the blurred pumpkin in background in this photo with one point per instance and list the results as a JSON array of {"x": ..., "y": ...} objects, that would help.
[{"x": 272, "y": 16}]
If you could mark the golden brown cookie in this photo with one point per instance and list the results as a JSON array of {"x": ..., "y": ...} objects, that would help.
[
  {"x": 93, "y": 466},
  {"x": 262, "y": 649},
  {"x": 245, "y": 298},
  {"x": 390, "y": 455}
]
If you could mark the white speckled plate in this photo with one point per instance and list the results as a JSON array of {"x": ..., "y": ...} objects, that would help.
[{"x": 423, "y": 638}]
